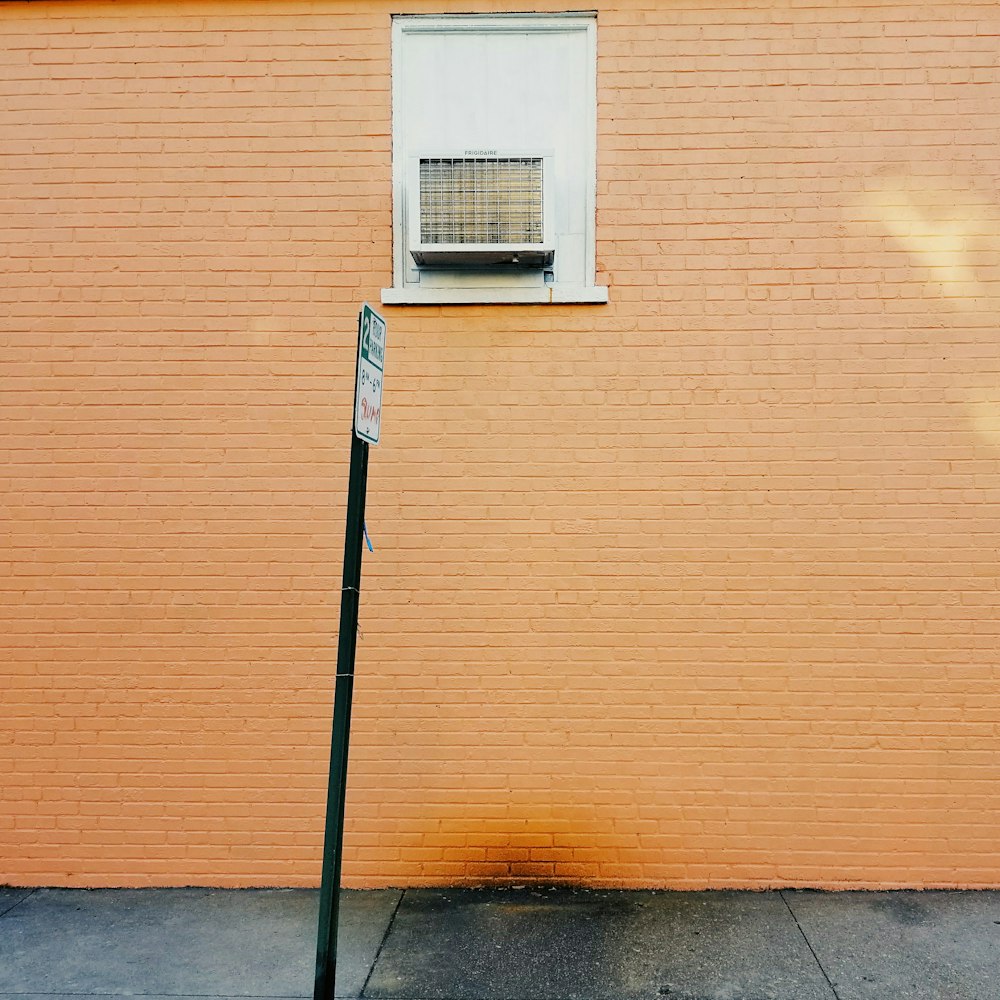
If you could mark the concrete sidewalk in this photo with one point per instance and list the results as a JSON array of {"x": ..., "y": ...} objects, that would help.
[{"x": 516, "y": 944}]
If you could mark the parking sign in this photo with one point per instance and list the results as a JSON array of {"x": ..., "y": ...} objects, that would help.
[{"x": 368, "y": 382}]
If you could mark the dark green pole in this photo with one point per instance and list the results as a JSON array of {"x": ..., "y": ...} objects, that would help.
[{"x": 350, "y": 597}]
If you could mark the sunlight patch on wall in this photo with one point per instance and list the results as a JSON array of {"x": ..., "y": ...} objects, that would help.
[
  {"x": 951, "y": 235},
  {"x": 984, "y": 415},
  {"x": 945, "y": 232}
]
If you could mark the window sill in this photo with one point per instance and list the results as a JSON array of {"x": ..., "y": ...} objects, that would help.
[{"x": 549, "y": 295}]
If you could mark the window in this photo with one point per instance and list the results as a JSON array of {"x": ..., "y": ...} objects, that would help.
[{"x": 494, "y": 159}]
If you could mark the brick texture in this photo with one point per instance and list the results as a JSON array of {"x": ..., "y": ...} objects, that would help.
[{"x": 698, "y": 588}]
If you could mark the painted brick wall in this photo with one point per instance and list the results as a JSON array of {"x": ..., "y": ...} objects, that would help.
[{"x": 699, "y": 588}]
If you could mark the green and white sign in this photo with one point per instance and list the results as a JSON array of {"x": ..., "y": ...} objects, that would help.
[{"x": 368, "y": 384}]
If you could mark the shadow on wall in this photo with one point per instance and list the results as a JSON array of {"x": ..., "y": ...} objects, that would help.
[{"x": 536, "y": 841}]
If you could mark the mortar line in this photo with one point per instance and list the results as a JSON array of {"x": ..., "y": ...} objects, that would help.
[
  {"x": 385, "y": 937},
  {"x": 812, "y": 950},
  {"x": 18, "y": 902}
]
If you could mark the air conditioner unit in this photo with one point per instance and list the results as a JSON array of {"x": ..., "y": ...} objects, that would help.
[{"x": 481, "y": 209}]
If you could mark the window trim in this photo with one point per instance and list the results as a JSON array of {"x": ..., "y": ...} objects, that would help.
[{"x": 400, "y": 293}]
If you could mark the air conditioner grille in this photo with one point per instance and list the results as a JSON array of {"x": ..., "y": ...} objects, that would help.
[{"x": 486, "y": 201}]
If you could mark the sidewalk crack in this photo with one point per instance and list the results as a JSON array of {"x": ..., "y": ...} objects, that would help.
[
  {"x": 18, "y": 902},
  {"x": 385, "y": 937},
  {"x": 812, "y": 950},
  {"x": 180, "y": 996}
]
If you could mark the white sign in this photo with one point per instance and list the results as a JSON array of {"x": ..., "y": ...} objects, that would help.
[{"x": 368, "y": 383}]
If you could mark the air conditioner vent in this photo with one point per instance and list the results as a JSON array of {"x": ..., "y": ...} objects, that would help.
[
  {"x": 481, "y": 211},
  {"x": 481, "y": 201}
]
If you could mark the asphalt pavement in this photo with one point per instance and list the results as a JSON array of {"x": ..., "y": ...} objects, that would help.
[{"x": 530, "y": 943}]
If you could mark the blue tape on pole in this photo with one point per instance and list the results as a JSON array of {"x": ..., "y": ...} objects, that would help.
[{"x": 364, "y": 527}]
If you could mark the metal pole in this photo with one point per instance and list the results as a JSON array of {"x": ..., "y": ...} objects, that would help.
[{"x": 329, "y": 896}]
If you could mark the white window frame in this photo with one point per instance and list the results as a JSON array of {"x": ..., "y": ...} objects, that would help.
[{"x": 403, "y": 294}]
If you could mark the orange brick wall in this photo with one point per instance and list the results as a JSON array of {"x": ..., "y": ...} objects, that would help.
[{"x": 698, "y": 588}]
